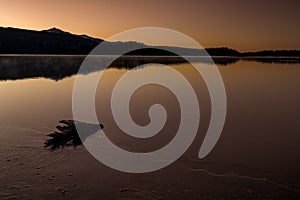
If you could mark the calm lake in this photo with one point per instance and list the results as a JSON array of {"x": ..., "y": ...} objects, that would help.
[{"x": 257, "y": 155}]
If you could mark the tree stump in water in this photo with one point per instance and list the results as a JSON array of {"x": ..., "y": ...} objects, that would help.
[{"x": 67, "y": 134}]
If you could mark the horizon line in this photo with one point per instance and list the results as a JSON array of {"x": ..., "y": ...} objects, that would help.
[{"x": 95, "y": 37}]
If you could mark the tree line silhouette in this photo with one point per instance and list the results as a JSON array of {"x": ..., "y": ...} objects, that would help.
[{"x": 55, "y": 41}]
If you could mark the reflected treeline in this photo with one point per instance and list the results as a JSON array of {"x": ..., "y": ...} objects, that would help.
[
  {"x": 59, "y": 67},
  {"x": 53, "y": 67},
  {"x": 279, "y": 60},
  {"x": 67, "y": 135}
]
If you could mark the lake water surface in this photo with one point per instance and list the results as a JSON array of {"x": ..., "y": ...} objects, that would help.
[{"x": 257, "y": 155}]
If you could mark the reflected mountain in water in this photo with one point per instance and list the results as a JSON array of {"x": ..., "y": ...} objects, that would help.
[
  {"x": 67, "y": 134},
  {"x": 59, "y": 67}
]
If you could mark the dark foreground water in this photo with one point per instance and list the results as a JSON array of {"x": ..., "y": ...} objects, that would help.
[{"x": 256, "y": 157}]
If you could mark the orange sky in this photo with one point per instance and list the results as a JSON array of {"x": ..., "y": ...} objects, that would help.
[{"x": 244, "y": 25}]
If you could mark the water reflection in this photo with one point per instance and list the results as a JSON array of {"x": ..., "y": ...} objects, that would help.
[
  {"x": 60, "y": 67},
  {"x": 260, "y": 138}
]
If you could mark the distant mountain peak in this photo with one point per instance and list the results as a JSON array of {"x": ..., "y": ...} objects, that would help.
[
  {"x": 59, "y": 31},
  {"x": 56, "y": 30}
]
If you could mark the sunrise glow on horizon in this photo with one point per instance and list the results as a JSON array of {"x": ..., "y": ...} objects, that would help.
[{"x": 244, "y": 26}]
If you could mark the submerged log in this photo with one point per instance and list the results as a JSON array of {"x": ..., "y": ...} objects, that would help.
[{"x": 67, "y": 134}]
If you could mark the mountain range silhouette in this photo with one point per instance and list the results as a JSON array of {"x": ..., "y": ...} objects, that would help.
[{"x": 59, "y": 42}]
